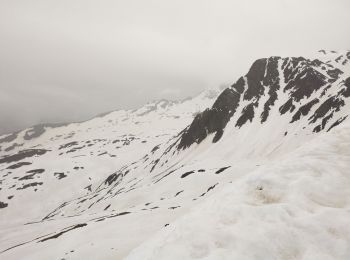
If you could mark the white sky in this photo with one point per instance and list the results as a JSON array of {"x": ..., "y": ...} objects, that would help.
[{"x": 71, "y": 59}]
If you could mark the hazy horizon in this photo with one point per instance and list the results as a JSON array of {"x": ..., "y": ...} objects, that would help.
[{"x": 70, "y": 60}]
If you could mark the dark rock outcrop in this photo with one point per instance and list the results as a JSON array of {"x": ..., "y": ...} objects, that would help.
[
  {"x": 22, "y": 155},
  {"x": 212, "y": 120},
  {"x": 300, "y": 78}
]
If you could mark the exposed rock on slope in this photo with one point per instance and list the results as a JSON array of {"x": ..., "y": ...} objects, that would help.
[
  {"x": 301, "y": 83},
  {"x": 141, "y": 171}
]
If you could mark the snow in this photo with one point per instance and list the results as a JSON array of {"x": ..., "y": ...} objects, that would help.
[
  {"x": 295, "y": 208},
  {"x": 155, "y": 127},
  {"x": 255, "y": 194}
]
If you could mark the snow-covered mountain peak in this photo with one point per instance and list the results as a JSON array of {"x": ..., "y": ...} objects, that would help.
[{"x": 302, "y": 91}]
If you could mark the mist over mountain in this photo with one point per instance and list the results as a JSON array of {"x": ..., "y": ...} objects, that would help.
[{"x": 67, "y": 61}]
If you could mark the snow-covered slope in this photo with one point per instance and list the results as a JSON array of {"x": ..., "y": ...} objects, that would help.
[
  {"x": 294, "y": 208},
  {"x": 100, "y": 188},
  {"x": 51, "y": 163}
]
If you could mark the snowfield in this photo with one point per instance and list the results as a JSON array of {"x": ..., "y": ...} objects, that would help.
[
  {"x": 258, "y": 171},
  {"x": 294, "y": 208}
]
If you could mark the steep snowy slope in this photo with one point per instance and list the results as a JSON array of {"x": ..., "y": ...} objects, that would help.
[{"x": 98, "y": 189}]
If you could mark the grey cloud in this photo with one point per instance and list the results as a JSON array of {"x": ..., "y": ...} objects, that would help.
[{"x": 71, "y": 59}]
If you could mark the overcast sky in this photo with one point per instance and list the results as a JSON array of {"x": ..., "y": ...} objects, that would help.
[{"x": 67, "y": 60}]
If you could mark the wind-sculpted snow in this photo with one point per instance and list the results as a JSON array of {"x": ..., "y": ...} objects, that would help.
[{"x": 248, "y": 173}]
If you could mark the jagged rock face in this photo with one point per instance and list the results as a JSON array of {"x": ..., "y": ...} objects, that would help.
[
  {"x": 303, "y": 84},
  {"x": 212, "y": 120}
]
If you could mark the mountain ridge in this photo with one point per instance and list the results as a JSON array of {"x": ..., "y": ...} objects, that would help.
[{"x": 145, "y": 169}]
